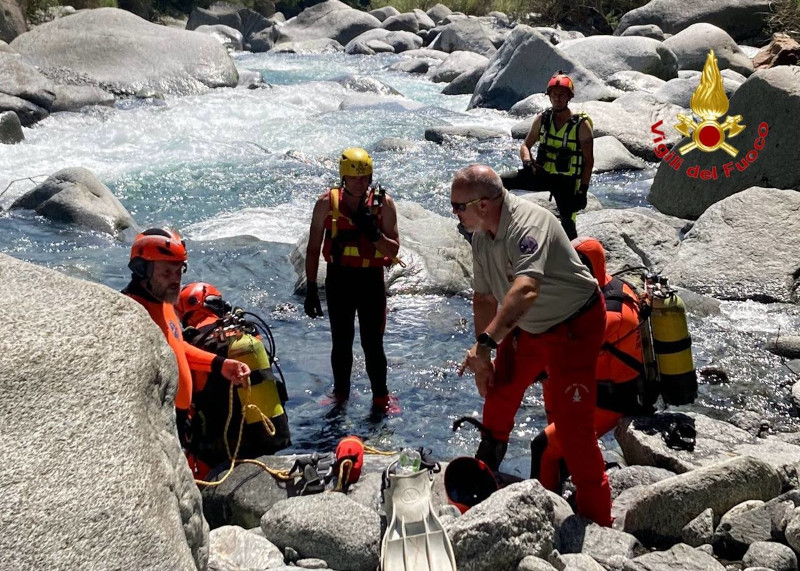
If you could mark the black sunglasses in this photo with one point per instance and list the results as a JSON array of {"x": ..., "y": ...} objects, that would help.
[{"x": 462, "y": 206}]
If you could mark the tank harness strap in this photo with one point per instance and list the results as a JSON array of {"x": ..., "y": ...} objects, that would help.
[{"x": 335, "y": 196}]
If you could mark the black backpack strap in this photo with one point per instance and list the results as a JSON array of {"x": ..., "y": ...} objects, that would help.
[{"x": 626, "y": 359}]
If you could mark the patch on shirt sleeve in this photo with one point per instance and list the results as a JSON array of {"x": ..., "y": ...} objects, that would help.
[{"x": 528, "y": 245}]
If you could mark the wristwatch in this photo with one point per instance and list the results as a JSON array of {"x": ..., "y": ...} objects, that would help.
[{"x": 486, "y": 340}]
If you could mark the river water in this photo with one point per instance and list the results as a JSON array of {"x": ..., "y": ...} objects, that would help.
[{"x": 237, "y": 171}]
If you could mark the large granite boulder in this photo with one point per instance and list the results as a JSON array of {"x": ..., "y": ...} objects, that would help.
[
  {"x": 660, "y": 511},
  {"x": 456, "y": 64},
  {"x": 76, "y": 97},
  {"x": 438, "y": 12},
  {"x": 399, "y": 41},
  {"x": 437, "y": 258},
  {"x": 523, "y": 66},
  {"x": 465, "y": 35},
  {"x": 744, "y": 247},
  {"x": 499, "y": 532},
  {"x": 229, "y": 37},
  {"x": 28, "y": 113},
  {"x": 384, "y": 13},
  {"x": 331, "y": 527},
  {"x": 122, "y": 53},
  {"x": 645, "y": 31},
  {"x": 75, "y": 196},
  {"x": 12, "y": 19},
  {"x": 248, "y": 23},
  {"x": 578, "y": 534},
  {"x": 606, "y": 55},
  {"x": 691, "y": 47},
  {"x": 465, "y": 82},
  {"x": 329, "y": 19},
  {"x": 10, "y": 128},
  {"x": 680, "y": 556},
  {"x": 763, "y": 158},
  {"x": 233, "y": 548},
  {"x": 19, "y": 79},
  {"x": 742, "y": 19},
  {"x": 71, "y": 499},
  {"x": 406, "y": 22},
  {"x": 635, "y": 81},
  {"x": 630, "y": 476},
  {"x": 767, "y": 522},
  {"x": 679, "y": 91},
  {"x": 611, "y": 155}
]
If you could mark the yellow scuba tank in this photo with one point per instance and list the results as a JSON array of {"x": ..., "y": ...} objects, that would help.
[
  {"x": 263, "y": 392},
  {"x": 672, "y": 343}
]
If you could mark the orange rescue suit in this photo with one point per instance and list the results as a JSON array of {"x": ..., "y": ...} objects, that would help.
[{"x": 189, "y": 358}]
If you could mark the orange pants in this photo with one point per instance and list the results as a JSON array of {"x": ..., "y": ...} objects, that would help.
[{"x": 568, "y": 353}]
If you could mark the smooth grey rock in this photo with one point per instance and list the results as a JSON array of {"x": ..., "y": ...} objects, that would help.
[
  {"x": 579, "y": 535},
  {"x": 438, "y": 259},
  {"x": 415, "y": 65},
  {"x": 630, "y": 476},
  {"x": 681, "y": 556},
  {"x": 329, "y": 19},
  {"x": 630, "y": 238},
  {"x": 531, "y": 105},
  {"x": 792, "y": 531},
  {"x": 558, "y": 36},
  {"x": 442, "y": 133},
  {"x": 402, "y": 41},
  {"x": 771, "y": 555},
  {"x": 523, "y": 66},
  {"x": 691, "y": 46},
  {"x": 764, "y": 523},
  {"x": 679, "y": 91},
  {"x": 331, "y": 527},
  {"x": 520, "y": 129},
  {"x": 363, "y": 38},
  {"x": 739, "y": 509},
  {"x": 707, "y": 549},
  {"x": 785, "y": 345},
  {"x": 427, "y": 53},
  {"x": 611, "y": 155},
  {"x": 121, "y": 53},
  {"x": 311, "y": 564},
  {"x": 18, "y": 79},
  {"x": 561, "y": 509},
  {"x": 662, "y": 509},
  {"x": 75, "y": 196},
  {"x": 69, "y": 480},
  {"x": 383, "y": 13},
  {"x": 366, "y": 84},
  {"x": 700, "y": 530},
  {"x": 456, "y": 64},
  {"x": 423, "y": 20},
  {"x": 465, "y": 35},
  {"x": 465, "y": 83},
  {"x": 26, "y": 112},
  {"x": 723, "y": 254},
  {"x": 740, "y": 18},
  {"x": 438, "y": 12},
  {"x": 10, "y": 128},
  {"x": 371, "y": 101},
  {"x": 318, "y": 46},
  {"x": 76, "y": 97},
  {"x": 249, "y": 23},
  {"x": 12, "y": 19},
  {"x": 406, "y": 22},
  {"x": 629, "y": 80},
  {"x": 646, "y": 31},
  {"x": 4, "y": 48},
  {"x": 747, "y": 420},
  {"x": 236, "y": 549},
  {"x": 629, "y": 119},
  {"x": 497, "y": 533},
  {"x": 229, "y": 37},
  {"x": 673, "y": 192},
  {"x": 574, "y": 562},
  {"x": 533, "y": 563},
  {"x": 606, "y": 55},
  {"x": 250, "y": 79}
]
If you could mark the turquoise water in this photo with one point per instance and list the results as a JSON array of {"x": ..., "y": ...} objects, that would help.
[{"x": 237, "y": 172}]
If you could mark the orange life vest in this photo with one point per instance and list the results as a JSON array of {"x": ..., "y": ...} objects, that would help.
[
  {"x": 344, "y": 243},
  {"x": 621, "y": 357}
]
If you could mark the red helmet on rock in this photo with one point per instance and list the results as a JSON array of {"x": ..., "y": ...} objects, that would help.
[
  {"x": 200, "y": 300},
  {"x": 561, "y": 79},
  {"x": 155, "y": 245}
]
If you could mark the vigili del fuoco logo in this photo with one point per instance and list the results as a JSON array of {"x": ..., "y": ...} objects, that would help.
[{"x": 708, "y": 135}]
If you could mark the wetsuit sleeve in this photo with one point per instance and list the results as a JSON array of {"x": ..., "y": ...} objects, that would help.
[
  {"x": 527, "y": 247},
  {"x": 202, "y": 361}
]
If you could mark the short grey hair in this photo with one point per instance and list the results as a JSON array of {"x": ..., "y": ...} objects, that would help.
[{"x": 480, "y": 179}]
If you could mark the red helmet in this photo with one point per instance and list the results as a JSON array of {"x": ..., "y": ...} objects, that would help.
[
  {"x": 201, "y": 299},
  {"x": 561, "y": 79},
  {"x": 155, "y": 245}
]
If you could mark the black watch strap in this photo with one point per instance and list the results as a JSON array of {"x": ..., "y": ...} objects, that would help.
[{"x": 486, "y": 339}]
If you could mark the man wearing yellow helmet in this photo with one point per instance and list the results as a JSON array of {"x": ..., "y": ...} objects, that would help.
[
  {"x": 565, "y": 157},
  {"x": 354, "y": 227}
]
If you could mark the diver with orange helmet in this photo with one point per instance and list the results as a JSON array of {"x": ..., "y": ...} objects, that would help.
[
  {"x": 565, "y": 158},
  {"x": 157, "y": 263},
  {"x": 210, "y": 323}
]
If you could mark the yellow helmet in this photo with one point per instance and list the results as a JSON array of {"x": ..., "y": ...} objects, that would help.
[{"x": 355, "y": 162}]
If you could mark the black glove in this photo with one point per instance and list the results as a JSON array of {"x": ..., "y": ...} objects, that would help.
[
  {"x": 580, "y": 197},
  {"x": 527, "y": 165},
  {"x": 312, "y": 306},
  {"x": 366, "y": 222},
  {"x": 463, "y": 232}
]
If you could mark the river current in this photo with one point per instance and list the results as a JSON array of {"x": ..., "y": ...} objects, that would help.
[{"x": 237, "y": 171}]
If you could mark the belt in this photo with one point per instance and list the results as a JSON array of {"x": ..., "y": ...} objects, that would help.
[{"x": 593, "y": 299}]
